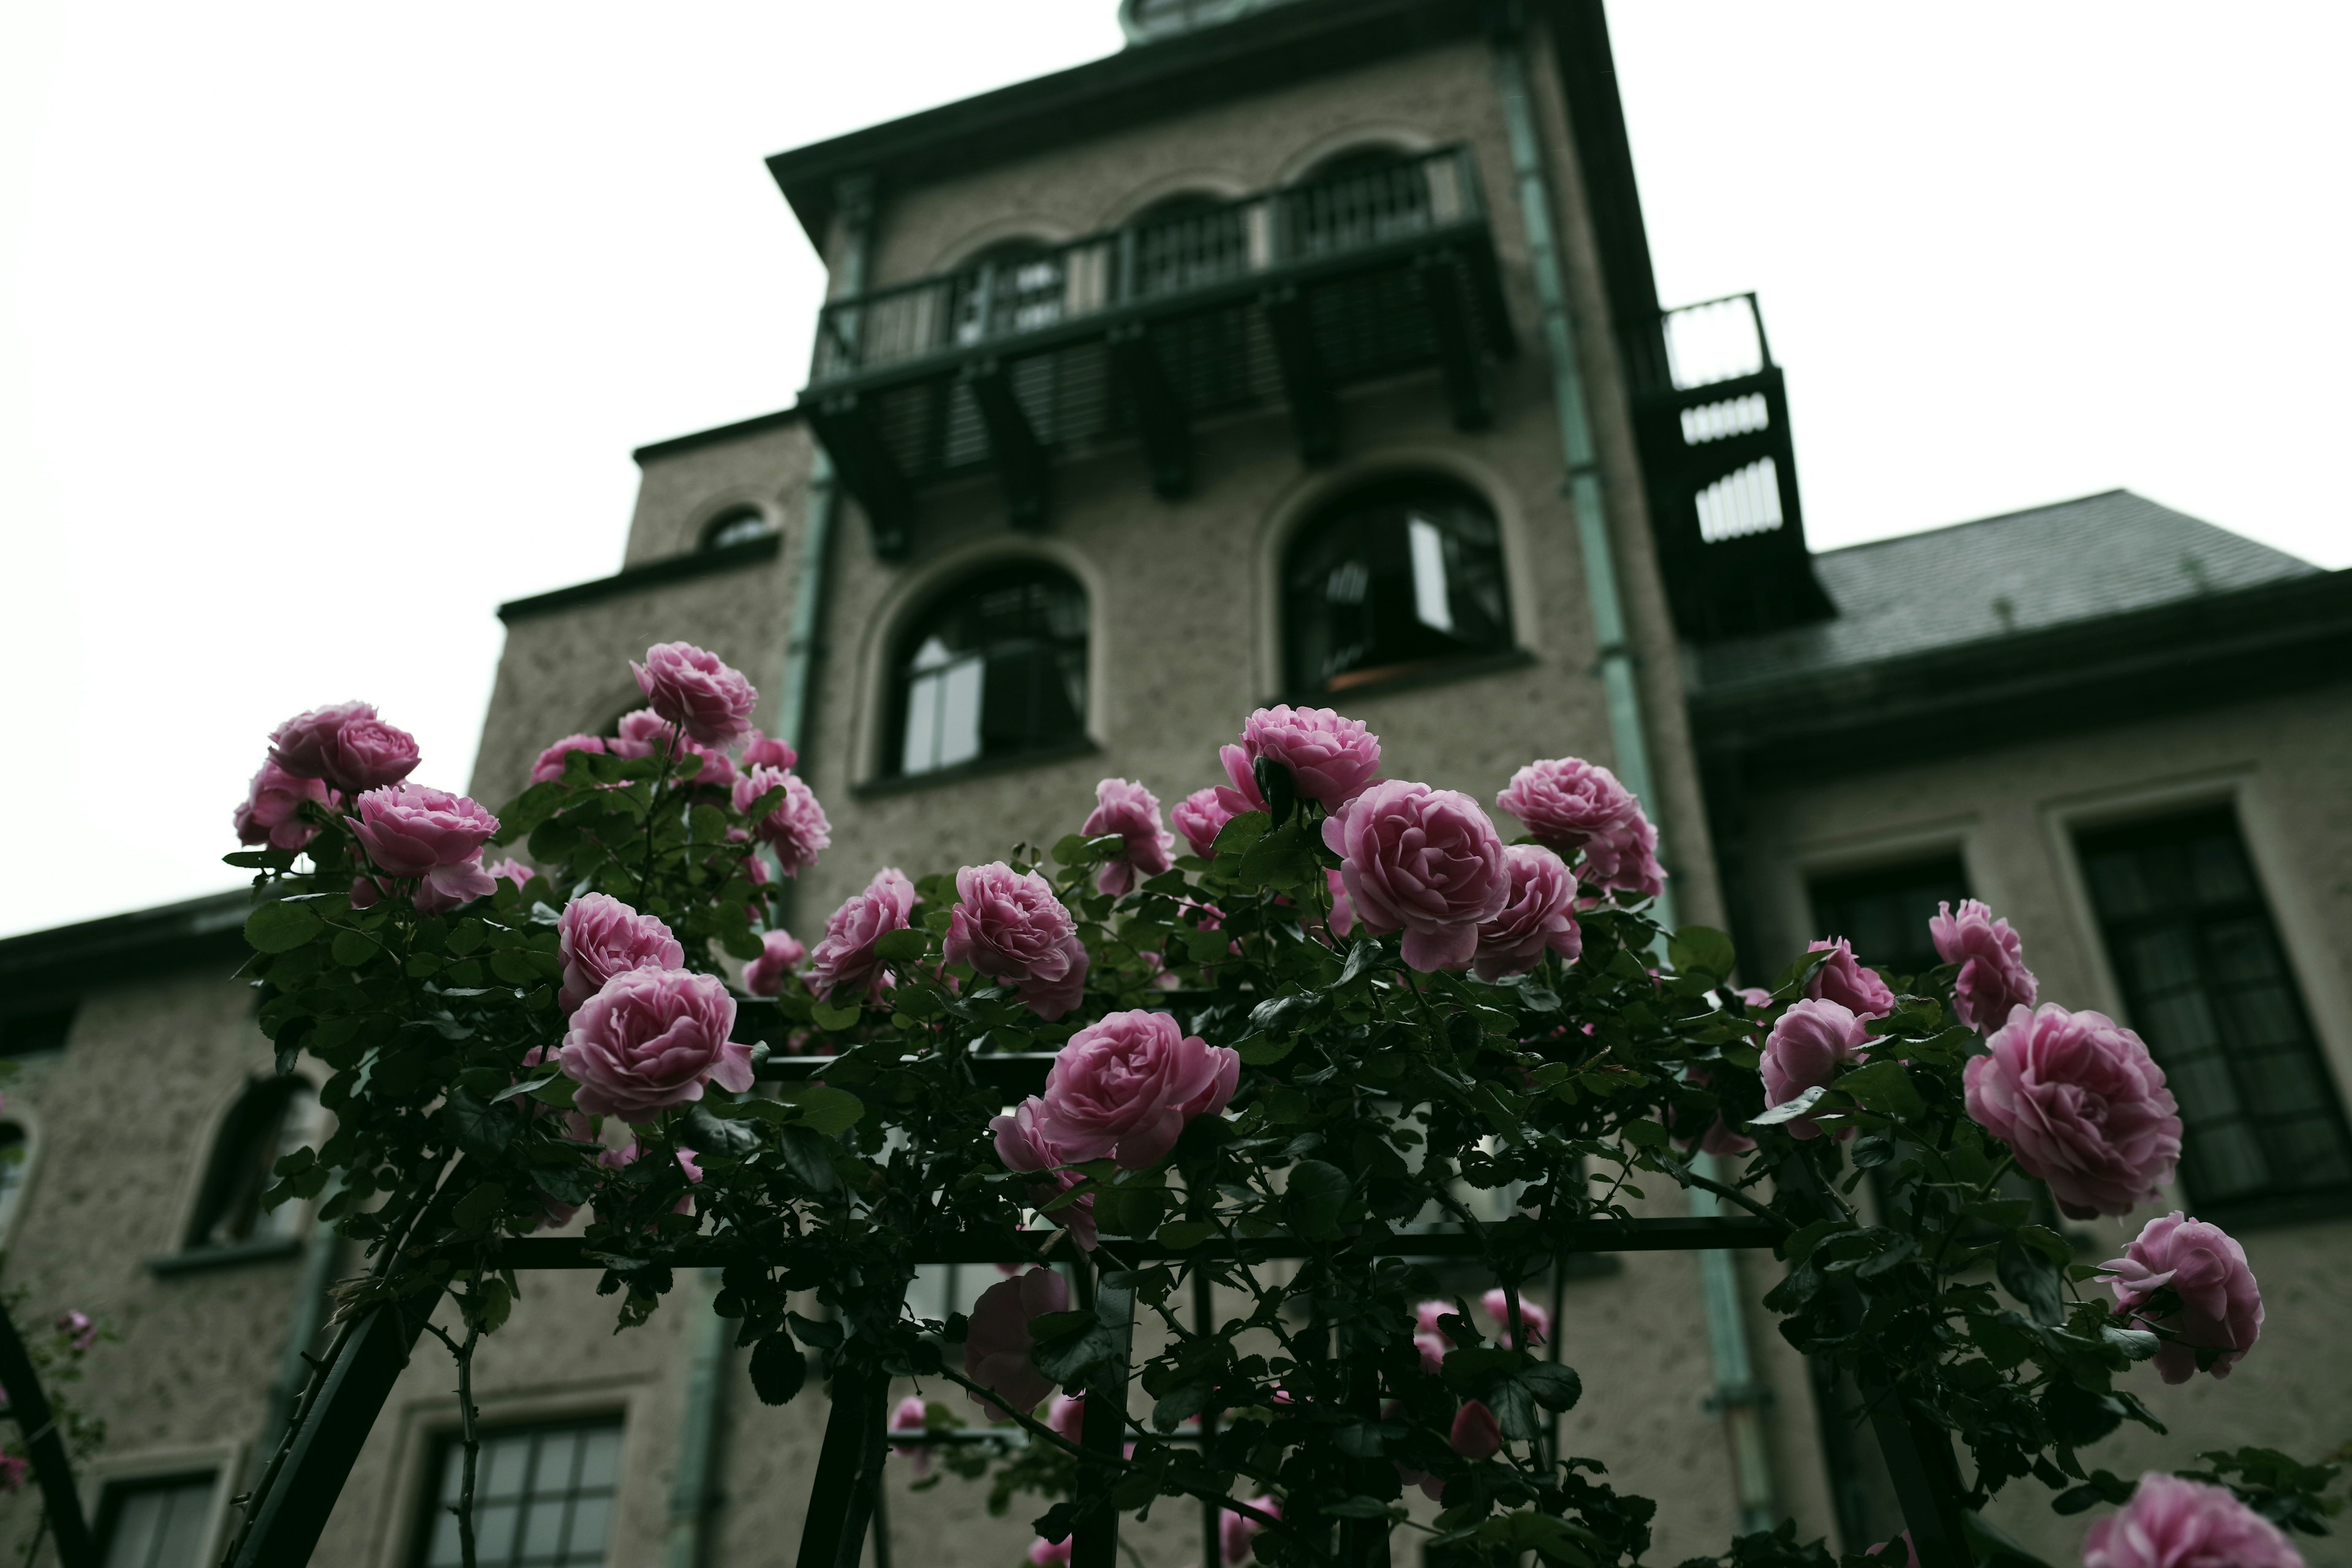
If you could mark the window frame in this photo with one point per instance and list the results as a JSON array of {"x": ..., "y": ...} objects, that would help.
[
  {"x": 929, "y": 606},
  {"x": 1878, "y": 878},
  {"x": 109, "y": 1479},
  {"x": 441, "y": 1441},
  {"x": 706, "y": 536},
  {"x": 261, "y": 1104}
]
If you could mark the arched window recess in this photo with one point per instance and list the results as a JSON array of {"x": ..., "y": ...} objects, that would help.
[
  {"x": 992, "y": 669},
  {"x": 271, "y": 1119},
  {"x": 738, "y": 525}
]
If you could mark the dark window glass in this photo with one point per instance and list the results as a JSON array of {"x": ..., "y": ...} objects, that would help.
[
  {"x": 994, "y": 666},
  {"x": 156, "y": 1523},
  {"x": 1015, "y": 287},
  {"x": 1357, "y": 199},
  {"x": 2208, "y": 986},
  {"x": 273, "y": 1119},
  {"x": 542, "y": 1497},
  {"x": 1885, "y": 913},
  {"x": 36, "y": 1029},
  {"x": 1187, "y": 241},
  {"x": 1393, "y": 581},
  {"x": 738, "y": 527},
  {"x": 15, "y": 1148}
]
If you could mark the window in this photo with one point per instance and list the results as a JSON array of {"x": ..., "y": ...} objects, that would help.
[
  {"x": 15, "y": 1156},
  {"x": 1358, "y": 198},
  {"x": 2207, "y": 985},
  {"x": 738, "y": 527},
  {"x": 1012, "y": 287},
  {"x": 273, "y": 1117},
  {"x": 994, "y": 666},
  {"x": 156, "y": 1523},
  {"x": 1885, "y": 913},
  {"x": 42, "y": 1028},
  {"x": 542, "y": 1497},
  {"x": 1183, "y": 242},
  {"x": 1393, "y": 581}
]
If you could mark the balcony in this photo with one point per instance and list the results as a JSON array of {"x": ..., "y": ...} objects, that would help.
[
  {"x": 1711, "y": 414},
  {"x": 1282, "y": 298}
]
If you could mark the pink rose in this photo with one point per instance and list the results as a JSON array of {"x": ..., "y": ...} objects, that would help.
[
  {"x": 1044, "y": 1554},
  {"x": 1423, "y": 860},
  {"x": 1566, "y": 803},
  {"x": 410, "y": 830},
  {"x": 642, "y": 732},
  {"x": 797, "y": 828},
  {"x": 767, "y": 752},
  {"x": 446, "y": 887},
  {"x": 694, "y": 691},
  {"x": 1430, "y": 1340},
  {"x": 272, "y": 812},
  {"x": 1012, "y": 929},
  {"x": 1125, "y": 1086},
  {"x": 1236, "y": 1531},
  {"x": 1538, "y": 1322},
  {"x": 512, "y": 870},
  {"x": 1477, "y": 1434},
  {"x": 779, "y": 953},
  {"x": 996, "y": 1346},
  {"x": 1021, "y": 1146},
  {"x": 1804, "y": 1051},
  {"x": 1127, "y": 808},
  {"x": 598, "y": 937},
  {"x": 79, "y": 1329},
  {"x": 845, "y": 965},
  {"x": 1538, "y": 915},
  {"x": 912, "y": 1417},
  {"x": 368, "y": 753},
  {"x": 649, "y": 1040},
  {"x": 2175, "y": 1523},
  {"x": 1843, "y": 980},
  {"x": 622, "y": 1159},
  {"x": 1625, "y": 859},
  {"x": 550, "y": 763},
  {"x": 2221, "y": 1305},
  {"x": 1343, "y": 910},
  {"x": 2078, "y": 1100},
  {"x": 1200, "y": 817},
  {"x": 1331, "y": 760},
  {"x": 304, "y": 745},
  {"x": 1993, "y": 977},
  {"x": 717, "y": 769}
]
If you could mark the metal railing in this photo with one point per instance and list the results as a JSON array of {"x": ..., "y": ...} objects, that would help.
[{"x": 1159, "y": 259}]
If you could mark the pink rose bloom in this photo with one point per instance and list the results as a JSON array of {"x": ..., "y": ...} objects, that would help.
[
  {"x": 551, "y": 764},
  {"x": 1012, "y": 929},
  {"x": 1804, "y": 1051},
  {"x": 694, "y": 691},
  {"x": 911, "y": 1417},
  {"x": 622, "y": 1159},
  {"x": 410, "y": 830},
  {"x": 598, "y": 937},
  {"x": 1566, "y": 803},
  {"x": 1423, "y": 860},
  {"x": 78, "y": 1328},
  {"x": 512, "y": 870},
  {"x": 368, "y": 753},
  {"x": 1331, "y": 760},
  {"x": 2175, "y": 1523},
  {"x": 1125, "y": 1086},
  {"x": 1021, "y": 1146},
  {"x": 642, "y": 732},
  {"x": 767, "y": 752},
  {"x": 844, "y": 963},
  {"x": 1843, "y": 980},
  {"x": 446, "y": 887},
  {"x": 1066, "y": 1414},
  {"x": 1719, "y": 1136},
  {"x": 649, "y": 1040},
  {"x": 1343, "y": 910},
  {"x": 1127, "y": 808},
  {"x": 1200, "y": 817},
  {"x": 1626, "y": 858},
  {"x": 717, "y": 769},
  {"x": 779, "y": 953},
  {"x": 1497, "y": 1303},
  {"x": 304, "y": 745},
  {"x": 1236, "y": 1531},
  {"x": 272, "y": 812},
  {"x": 1477, "y": 1434},
  {"x": 2221, "y": 1305},
  {"x": 1993, "y": 977},
  {"x": 1044, "y": 1554},
  {"x": 797, "y": 828},
  {"x": 2078, "y": 1100},
  {"x": 996, "y": 1346},
  {"x": 1538, "y": 915}
]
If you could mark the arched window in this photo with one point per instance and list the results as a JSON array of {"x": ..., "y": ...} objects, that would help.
[
  {"x": 1357, "y": 198},
  {"x": 1399, "y": 578},
  {"x": 15, "y": 1164},
  {"x": 1014, "y": 286},
  {"x": 274, "y": 1117},
  {"x": 994, "y": 666},
  {"x": 739, "y": 526},
  {"x": 1184, "y": 241}
]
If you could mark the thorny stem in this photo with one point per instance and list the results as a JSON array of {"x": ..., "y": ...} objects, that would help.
[
  {"x": 469, "y": 1435},
  {"x": 1708, "y": 1184},
  {"x": 653, "y": 817}
]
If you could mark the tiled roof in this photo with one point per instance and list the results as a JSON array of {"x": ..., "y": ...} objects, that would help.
[{"x": 2025, "y": 571}]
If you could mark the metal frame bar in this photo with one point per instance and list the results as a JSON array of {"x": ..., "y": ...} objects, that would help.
[{"x": 29, "y": 1404}]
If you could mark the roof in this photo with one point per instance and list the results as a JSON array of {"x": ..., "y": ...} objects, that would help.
[
  {"x": 209, "y": 930},
  {"x": 2053, "y": 566}
]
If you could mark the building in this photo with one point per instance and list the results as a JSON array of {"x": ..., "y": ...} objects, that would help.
[{"x": 1308, "y": 350}]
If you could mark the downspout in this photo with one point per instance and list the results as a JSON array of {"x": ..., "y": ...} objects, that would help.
[
  {"x": 1736, "y": 1396},
  {"x": 321, "y": 1258}
]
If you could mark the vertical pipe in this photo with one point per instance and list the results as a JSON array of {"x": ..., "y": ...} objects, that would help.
[
  {"x": 690, "y": 1489},
  {"x": 1213, "y": 1521},
  {"x": 320, "y": 1261},
  {"x": 1718, "y": 1278}
]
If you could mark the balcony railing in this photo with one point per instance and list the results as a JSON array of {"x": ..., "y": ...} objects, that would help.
[{"x": 1279, "y": 297}]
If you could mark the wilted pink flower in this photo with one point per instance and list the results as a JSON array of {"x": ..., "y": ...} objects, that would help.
[
  {"x": 512, "y": 870},
  {"x": 1423, "y": 860},
  {"x": 598, "y": 937},
  {"x": 1718, "y": 1137},
  {"x": 2221, "y": 1305},
  {"x": 694, "y": 691},
  {"x": 649, "y": 1040},
  {"x": 1843, "y": 980},
  {"x": 79, "y": 1328},
  {"x": 1539, "y": 915},
  {"x": 1200, "y": 817},
  {"x": 1804, "y": 1051},
  {"x": 844, "y": 963},
  {"x": 1236, "y": 1531},
  {"x": 767, "y": 752},
  {"x": 1021, "y": 1146},
  {"x": 2175, "y": 1523},
  {"x": 1566, "y": 803},
  {"x": 1497, "y": 1303},
  {"x": 304, "y": 745},
  {"x": 1044, "y": 1554},
  {"x": 1127, "y": 808},
  {"x": 551, "y": 764},
  {"x": 796, "y": 828},
  {"x": 779, "y": 953},
  {"x": 1993, "y": 977},
  {"x": 1625, "y": 859},
  {"x": 1477, "y": 1434},
  {"x": 2081, "y": 1105},
  {"x": 410, "y": 830},
  {"x": 1011, "y": 927},
  {"x": 1331, "y": 760},
  {"x": 272, "y": 812},
  {"x": 1125, "y": 1088},
  {"x": 996, "y": 1346},
  {"x": 446, "y": 887},
  {"x": 911, "y": 1417}
]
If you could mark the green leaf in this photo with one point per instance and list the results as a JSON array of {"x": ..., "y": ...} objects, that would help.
[
  {"x": 1645, "y": 1135},
  {"x": 828, "y": 1111},
  {"x": 833, "y": 1019},
  {"x": 1240, "y": 834},
  {"x": 1070, "y": 850},
  {"x": 779, "y": 1370},
  {"x": 1258, "y": 1051},
  {"x": 1885, "y": 1086},
  {"x": 1315, "y": 1200},
  {"x": 1180, "y": 1235},
  {"x": 352, "y": 948},
  {"x": 1554, "y": 1386},
  {"x": 479, "y": 1209},
  {"x": 281, "y": 926},
  {"x": 2034, "y": 1281},
  {"x": 1702, "y": 950},
  {"x": 809, "y": 1155},
  {"x": 902, "y": 946},
  {"x": 1358, "y": 1507},
  {"x": 1072, "y": 1355}
]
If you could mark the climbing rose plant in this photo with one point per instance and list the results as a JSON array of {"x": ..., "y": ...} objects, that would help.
[{"x": 1342, "y": 1007}]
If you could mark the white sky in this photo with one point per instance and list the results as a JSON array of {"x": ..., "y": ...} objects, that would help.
[{"x": 325, "y": 329}]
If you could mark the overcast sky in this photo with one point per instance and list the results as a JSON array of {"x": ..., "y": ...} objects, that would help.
[{"x": 324, "y": 329}]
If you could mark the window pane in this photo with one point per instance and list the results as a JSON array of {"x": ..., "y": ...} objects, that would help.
[
  {"x": 995, "y": 667},
  {"x": 1885, "y": 913},
  {"x": 155, "y": 1525},
  {"x": 545, "y": 1496},
  {"x": 1396, "y": 579}
]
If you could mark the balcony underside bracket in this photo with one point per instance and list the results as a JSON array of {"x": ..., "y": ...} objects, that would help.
[
  {"x": 859, "y": 454},
  {"x": 1305, "y": 382},
  {"x": 1020, "y": 462},
  {"x": 1438, "y": 277},
  {"x": 1159, "y": 417}
]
